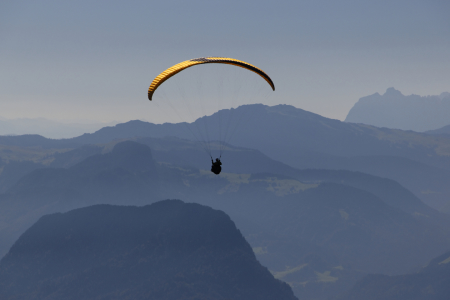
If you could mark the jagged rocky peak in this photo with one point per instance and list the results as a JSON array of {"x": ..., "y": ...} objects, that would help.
[
  {"x": 392, "y": 92},
  {"x": 395, "y": 110}
]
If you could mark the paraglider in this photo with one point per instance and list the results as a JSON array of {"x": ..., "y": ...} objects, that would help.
[
  {"x": 161, "y": 78},
  {"x": 216, "y": 166}
]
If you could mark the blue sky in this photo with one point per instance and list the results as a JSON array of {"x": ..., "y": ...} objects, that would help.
[{"x": 95, "y": 59}]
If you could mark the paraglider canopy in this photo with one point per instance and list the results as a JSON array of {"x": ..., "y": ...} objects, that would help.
[{"x": 204, "y": 60}]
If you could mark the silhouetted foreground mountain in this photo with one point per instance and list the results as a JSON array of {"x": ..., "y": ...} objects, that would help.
[
  {"x": 431, "y": 283},
  {"x": 167, "y": 250},
  {"x": 394, "y": 110}
]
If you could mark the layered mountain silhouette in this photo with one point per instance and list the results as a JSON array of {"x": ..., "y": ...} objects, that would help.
[
  {"x": 302, "y": 139},
  {"x": 320, "y": 230},
  {"x": 395, "y": 110},
  {"x": 272, "y": 130},
  {"x": 283, "y": 132},
  {"x": 168, "y": 250},
  {"x": 127, "y": 172},
  {"x": 124, "y": 175},
  {"x": 329, "y": 227},
  {"x": 430, "y": 283}
]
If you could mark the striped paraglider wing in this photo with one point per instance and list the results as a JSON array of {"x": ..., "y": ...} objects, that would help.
[{"x": 204, "y": 60}]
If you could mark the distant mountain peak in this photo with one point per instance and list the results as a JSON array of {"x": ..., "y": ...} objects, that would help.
[
  {"x": 392, "y": 92},
  {"x": 444, "y": 95},
  {"x": 397, "y": 111}
]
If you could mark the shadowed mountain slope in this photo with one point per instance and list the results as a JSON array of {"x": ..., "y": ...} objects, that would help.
[
  {"x": 430, "y": 283},
  {"x": 115, "y": 176},
  {"x": 353, "y": 224},
  {"x": 14, "y": 171},
  {"x": 389, "y": 190},
  {"x": 429, "y": 183},
  {"x": 445, "y": 131},
  {"x": 168, "y": 250}
]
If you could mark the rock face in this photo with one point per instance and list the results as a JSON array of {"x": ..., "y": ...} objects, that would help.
[
  {"x": 167, "y": 250},
  {"x": 394, "y": 110}
]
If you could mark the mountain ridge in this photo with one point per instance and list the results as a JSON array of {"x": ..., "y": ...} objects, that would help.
[
  {"x": 440, "y": 131},
  {"x": 430, "y": 283},
  {"x": 167, "y": 250},
  {"x": 395, "y": 110}
]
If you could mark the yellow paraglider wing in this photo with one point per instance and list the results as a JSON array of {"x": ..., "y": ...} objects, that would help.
[{"x": 204, "y": 60}]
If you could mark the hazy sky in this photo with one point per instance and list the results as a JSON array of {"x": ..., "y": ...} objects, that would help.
[{"x": 95, "y": 59}]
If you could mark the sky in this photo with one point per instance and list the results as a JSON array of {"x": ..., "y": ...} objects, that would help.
[{"x": 94, "y": 60}]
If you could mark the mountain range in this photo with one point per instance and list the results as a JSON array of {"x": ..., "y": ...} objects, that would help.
[
  {"x": 419, "y": 161},
  {"x": 48, "y": 128},
  {"x": 360, "y": 210},
  {"x": 319, "y": 230},
  {"x": 395, "y": 110}
]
